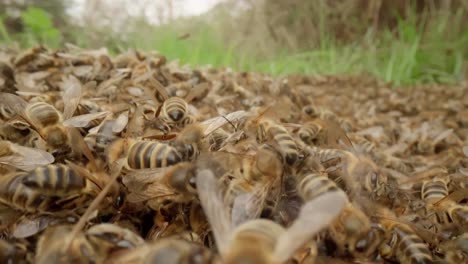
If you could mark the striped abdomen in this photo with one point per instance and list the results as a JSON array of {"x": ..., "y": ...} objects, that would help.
[
  {"x": 434, "y": 190},
  {"x": 281, "y": 136},
  {"x": 18, "y": 196},
  {"x": 55, "y": 180},
  {"x": 407, "y": 246},
  {"x": 315, "y": 184},
  {"x": 45, "y": 113},
  {"x": 411, "y": 248},
  {"x": 309, "y": 131},
  {"x": 174, "y": 109},
  {"x": 150, "y": 154}
]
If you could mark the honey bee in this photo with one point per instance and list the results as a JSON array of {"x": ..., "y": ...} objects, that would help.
[
  {"x": 274, "y": 244},
  {"x": 175, "y": 183},
  {"x": 108, "y": 238},
  {"x": 309, "y": 132},
  {"x": 167, "y": 250},
  {"x": 363, "y": 170},
  {"x": 142, "y": 154},
  {"x": 107, "y": 132},
  {"x": 401, "y": 242},
  {"x": 176, "y": 109},
  {"x": 350, "y": 226},
  {"x": 272, "y": 132},
  {"x": 28, "y": 56},
  {"x": 50, "y": 247},
  {"x": 46, "y": 188},
  {"x": 23, "y": 158},
  {"x": 47, "y": 121},
  {"x": 324, "y": 114}
]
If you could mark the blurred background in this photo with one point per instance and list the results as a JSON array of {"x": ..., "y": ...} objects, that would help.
[{"x": 399, "y": 41}]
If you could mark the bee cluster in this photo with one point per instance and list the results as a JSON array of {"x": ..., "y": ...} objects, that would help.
[{"x": 136, "y": 159}]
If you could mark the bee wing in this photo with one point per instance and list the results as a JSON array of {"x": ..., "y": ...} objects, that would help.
[
  {"x": 79, "y": 144},
  {"x": 83, "y": 120},
  {"x": 27, "y": 158},
  {"x": 465, "y": 150},
  {"x": 217, "y": 122},
  {"x": 336, "y": 136},
  {"x": 159, "y": 88},
  {"x": 90, "y": 85},
  {"x": 145, "y": 176},
  {"x": 197, "y": 92},
  {"x": 443, "y": 135},
  {"x": 19, "y": 105},
  {"x": 120, "y": 123},
  {"x": 71, "y": 95},
  {"x": 146, "y": 184},
  {"x": 313, "y": 217},
  {"x": 214, "y": 208},
  {"x": 27, "y": 226},
  {"x": 455, "y": 196},
  {"x": 463, "y": 171},
  {"x": 248, "y": 206}
]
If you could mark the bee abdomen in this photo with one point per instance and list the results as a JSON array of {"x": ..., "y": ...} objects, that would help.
[
  {"x": 411, "y": 248},
  {"x": 434, "y": 190},
  {"x": 175, "y": 108},
  {"x": 45, "y": 113},
  {"x": 148, "y": 154},
  {"x": 314, "y": 185},
  {"x": 21, "y": 197},
  {"x": 55, "y": 180}
]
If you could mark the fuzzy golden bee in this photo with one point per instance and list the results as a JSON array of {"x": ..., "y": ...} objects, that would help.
[{"x": 275, "y": 244}]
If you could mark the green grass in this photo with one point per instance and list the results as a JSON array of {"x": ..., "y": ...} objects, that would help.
[
  {"x": 408, "y": 55},
  {"x": 434, "y": 52}
]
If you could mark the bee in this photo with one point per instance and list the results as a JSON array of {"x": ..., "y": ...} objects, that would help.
[
  {"x": 351, "y": 168},
  {"x": 50, "y": 247},
  {"x": 309, "y": 132},
  {"x": 358, "y": 168},
  {"x": 167, "y": 250},
  {"x": 107, "y": 133},
  {"x": 217, "y": 139},
  {"x": 351, "y": 225},
  {"x": 258, "y": 177},
  {"x": 328, "y": 115},
  {"x": 434, "y": 189},
  {"x": 47, "y": 121},
  {"x": 274, "y": 243},
  {"x": 142, "y": 154},
  {"x": 401, "y": 242},
  {"x": 43, "y": 189},
  {"x": 143, "y": 116},
  {"x": 175, "y": 184},
  {"x": 175, "y": 109},
  {"x": 108, "y": 238},
  {"x": 28, "y": 56},
  {"x": 272, "y": 132}
]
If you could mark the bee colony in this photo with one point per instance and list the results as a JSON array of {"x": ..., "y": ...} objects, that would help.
[{"x": 136, "y": 159}]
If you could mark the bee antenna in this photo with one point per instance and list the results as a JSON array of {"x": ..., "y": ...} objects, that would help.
[{"x": 230, "y": 122}]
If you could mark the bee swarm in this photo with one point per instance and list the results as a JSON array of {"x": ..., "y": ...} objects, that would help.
[{"x": 137, "y": 159}]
